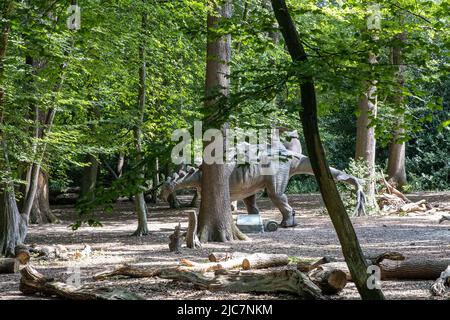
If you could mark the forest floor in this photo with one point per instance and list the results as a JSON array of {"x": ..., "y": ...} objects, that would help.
[{"x": 112, "y": 245}]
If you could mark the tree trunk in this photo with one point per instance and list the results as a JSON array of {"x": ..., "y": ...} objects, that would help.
[
  {"x": 308, "y": 114},
  {"x": 397, "y": 149},
  {"x": 365, "y": 138},
  {"x": 89, "y": 178},
  {"x": 215, "y": 219},
  {"x": 41, "y": 212},
  {"x": 140, "y": 205}
]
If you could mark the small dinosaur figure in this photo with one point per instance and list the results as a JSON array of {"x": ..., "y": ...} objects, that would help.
[{"x": 247, "y": 180}]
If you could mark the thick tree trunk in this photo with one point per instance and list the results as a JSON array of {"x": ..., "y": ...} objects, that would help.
[
  {"x": 215, "y": 219},
  {"x": 41, "y": 212},
  {"x": 89, "y": 178},
  {"x": 140, "y": 205},
  {"x": 396, "y": 162},
  {"x": 342, "y": 224}
]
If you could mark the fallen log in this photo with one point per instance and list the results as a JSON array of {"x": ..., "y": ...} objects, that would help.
[
  {"x": 212, "y": 266},
  {"x": 50, "y": 252},
  {"x": 408, "y": 269},
  {"x": 438, "y": 287},
  {"x": 329, "y": 280},
  {"x": 9, "y": 265},
  {"x": 33, "y": 282},
  {"x": 22, "y": 254},
  {"x": 127, "y": 271},
  {"x": 260, "y": 281},
  {"x": 263, "y": 260},
  {"x": 223, "y": 256}
]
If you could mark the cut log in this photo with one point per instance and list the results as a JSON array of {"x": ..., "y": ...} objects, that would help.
[
  {"x": 22, "y": 254},
  {"x": 32, "y": 282},
  {"x": 330, "y": 281},
  {"x": 413, "y": 268},
  {"x": 9, "y": 265},
  {"x": 212, "y": 266},
  {"x": 192, "y": 240},
  {"x": 175, "y": 240},
  {"x": 439, "y": 286},
  {"x": 263, "y": 260},
  {"x": 224, "y": 256},
  {"x": 408, "y": 269}
]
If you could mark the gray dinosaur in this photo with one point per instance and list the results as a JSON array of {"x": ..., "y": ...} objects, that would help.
[{"x": 247, "y": 180}]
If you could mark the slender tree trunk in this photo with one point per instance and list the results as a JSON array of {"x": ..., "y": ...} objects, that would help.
[
  {"x": 365, "y": 137},
  {"x": 396, "y": 161},
  {"x": 215, "y": 219},
  {"x": 140, "y": 205},
  {"x": 308, "y": 114},
  {"x": 120, "y": 164},
  {"x": 89, "y": 178}
]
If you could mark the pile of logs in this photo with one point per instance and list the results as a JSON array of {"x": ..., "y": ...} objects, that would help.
[
  {"x": 392, "y": 201},
  {"x": 243, "y": 272}
]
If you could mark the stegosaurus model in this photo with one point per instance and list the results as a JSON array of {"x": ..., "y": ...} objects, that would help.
[{"x": 247, "y": 180}]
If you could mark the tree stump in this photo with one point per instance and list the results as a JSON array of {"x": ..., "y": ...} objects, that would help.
[{"x": 175, "y": 240}]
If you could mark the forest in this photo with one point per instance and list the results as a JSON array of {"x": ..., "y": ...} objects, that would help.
[{"x": 224, "y": 149}]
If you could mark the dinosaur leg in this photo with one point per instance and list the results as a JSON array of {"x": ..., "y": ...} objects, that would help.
[
  {"x": 250, "y": 204},
  {"x": 281, "y": 202}
]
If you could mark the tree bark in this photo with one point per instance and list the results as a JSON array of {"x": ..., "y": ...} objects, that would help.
[
  {"x": 308, "y": 114},
  {"x": 215, "y": 219},
  {"x": 192, "y": 240},
  {"x": 397, "y": 149},
  {"x": 9, "y": 265},
  {"x": 41, "y": 212},
  {"x": 89, "y": 178},
  {"x": 140, "y": 205}
]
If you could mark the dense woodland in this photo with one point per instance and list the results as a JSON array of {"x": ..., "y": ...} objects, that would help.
[{"x": 91, "y": 92}]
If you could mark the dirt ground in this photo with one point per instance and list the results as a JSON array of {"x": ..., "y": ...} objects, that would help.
[{"x": 112, "y": 245}]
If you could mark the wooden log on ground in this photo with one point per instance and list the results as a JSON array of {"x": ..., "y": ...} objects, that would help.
[
  {"x": 212, "y": 266},
  {"x": 330, "y": 281},
  {"x": 50, "y": 252},
  {"x": 192, "y": 240},
  {"x": 439, "y": 286},
  {"x": 224, "y": 256},
  {"x": 9, "y": 265},
  {"x": 32, "y": 282},
  {"x": 413, "y": 268},
  {"x": 22, "y": 254},
  {"x": 308, "y": 264},
  {"x": 408, "y": 269},
  {"x": 263, "y": 260},
  {"x": 260, "y": 281},
  {"x": 127, "y": 271}
]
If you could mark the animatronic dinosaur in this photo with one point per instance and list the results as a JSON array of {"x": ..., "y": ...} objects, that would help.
[{"x": 247, "y": 180}]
